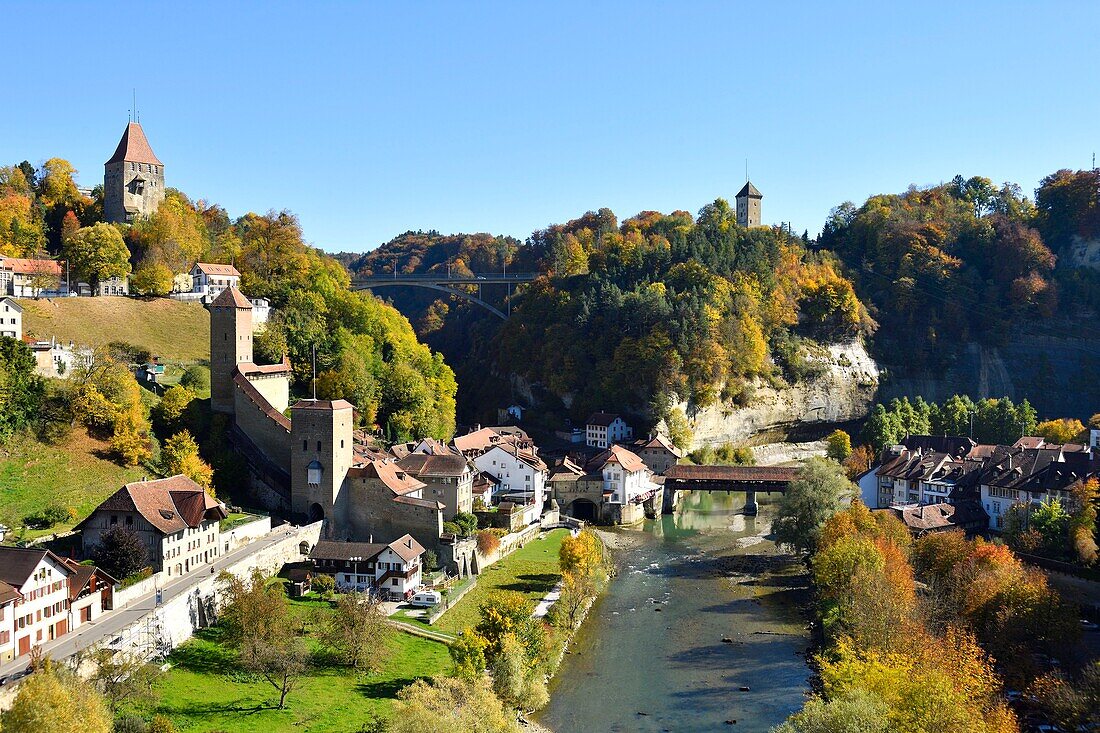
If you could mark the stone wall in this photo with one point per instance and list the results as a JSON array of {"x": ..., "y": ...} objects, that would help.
[
  {"x": 271, "y": 437},
  {"x": 374, "y": 513}
]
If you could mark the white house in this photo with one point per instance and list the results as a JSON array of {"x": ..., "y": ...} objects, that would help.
[
  {"x": 11, "y": 319},
  {"x": 55, "y": 359},
  {"x": 178, "y": 521},
  {"x": 603, "y": 429},
  {"x": 25, "y": 278},
  {"x": 521, "y": 474},
  {"x": 43, "y": 597},
  {"x": 626, "y": 478},
  {"x": 208, "y": 280},
  {"x": 392, "y": 571}
]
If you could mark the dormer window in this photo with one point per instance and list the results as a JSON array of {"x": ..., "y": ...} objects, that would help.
[{"x": 314, "y": 471}]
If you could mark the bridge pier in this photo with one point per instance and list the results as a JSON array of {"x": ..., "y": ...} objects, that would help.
[{"x": 750, "y": 502}]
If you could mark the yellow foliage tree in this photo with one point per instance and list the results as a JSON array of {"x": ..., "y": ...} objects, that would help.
[{"x": 52, "y": 701}]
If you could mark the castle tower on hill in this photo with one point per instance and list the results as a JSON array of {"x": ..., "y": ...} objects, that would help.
[
  {"x": 230, "y": 345},
  {"x": 748, "y": 205},
  {"x": 133, "y": 179}
]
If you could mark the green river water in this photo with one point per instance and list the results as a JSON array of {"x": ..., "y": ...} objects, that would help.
[{"x": 651, "y": 655}]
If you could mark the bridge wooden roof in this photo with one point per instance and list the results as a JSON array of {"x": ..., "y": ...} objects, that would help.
[{"x": 732, "y": 473}]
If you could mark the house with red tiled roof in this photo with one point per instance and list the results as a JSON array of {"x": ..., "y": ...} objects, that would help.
[
  {"x": 32, "y": 278},
  {"x": 208, "y": 280},
  {"x": 391, "y": 570},
  {"x": 175, "y": 518},
  {"x": 658, "y": 452}
]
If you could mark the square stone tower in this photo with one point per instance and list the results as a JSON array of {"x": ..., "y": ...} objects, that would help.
[
  {"x": 133, "y": 179},
  {"x": 230, "y": 345},
  {"x": 748, "y": 206},
  {"x": 321, "y": 454}
]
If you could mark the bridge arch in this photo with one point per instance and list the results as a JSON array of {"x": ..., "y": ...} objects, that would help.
[
  {"x": 583, "y": 509},
  {"x": 431, "y": 286}
]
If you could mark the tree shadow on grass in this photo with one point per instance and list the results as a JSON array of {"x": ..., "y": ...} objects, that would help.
[
  {"x": 201, "y": 709},
  {"x": 207, "y": 654},
  {"x": 385, "y": 689},
  {"x": 540, "y": 583}
]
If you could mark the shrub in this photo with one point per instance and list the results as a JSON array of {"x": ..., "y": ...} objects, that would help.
[
  {"x": 129, "y": 724},
  {"x": 452, "y": 528},
  {"x": 467, "y": 523},
  {"x": 430, "y": 560},
  {"x": 487, "y": 542},
  {"x": 324, "y": 585},
  {"x": 196, "y": 378}
]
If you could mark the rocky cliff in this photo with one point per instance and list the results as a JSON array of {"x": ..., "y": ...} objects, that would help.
[{"x": 844, "y": 391}]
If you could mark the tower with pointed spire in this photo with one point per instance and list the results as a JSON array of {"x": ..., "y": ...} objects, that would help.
[
  {"x": 748, "y": 205},
  {"x": 133, "y": 179}
]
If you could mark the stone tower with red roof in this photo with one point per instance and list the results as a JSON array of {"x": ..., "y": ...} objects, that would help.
[
  {"x": 230, "y": 345},
  {"x": 133, "y": 179}
]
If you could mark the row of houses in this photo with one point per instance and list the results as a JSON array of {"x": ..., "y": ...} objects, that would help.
[{"x": 974, "y": 486}]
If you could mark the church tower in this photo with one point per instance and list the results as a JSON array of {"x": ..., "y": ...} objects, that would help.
[
  {"x": 748, "y": 206},
  {"x": 230, "y": 345},
  {"x": 133, "y": 179}
]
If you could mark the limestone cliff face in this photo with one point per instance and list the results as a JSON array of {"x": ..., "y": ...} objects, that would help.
[{"x": 845, "y": 391}]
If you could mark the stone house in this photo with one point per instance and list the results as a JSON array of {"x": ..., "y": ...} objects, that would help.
[
  {"x": 604, "y": 428},
  {"x": 11, "y": 319},
  {"x": 176, "y": 518},
  {"x": 448, "y": 478},
  {"x": 612, "y": 488},
  {"x": 657, "y": 452},
  {"x": 392, "y": 571}
]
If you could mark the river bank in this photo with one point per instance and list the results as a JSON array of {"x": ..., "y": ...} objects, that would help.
[{"x": 702, "y": 606}]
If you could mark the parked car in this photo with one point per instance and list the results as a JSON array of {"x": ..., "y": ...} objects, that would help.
[{"x": 426, "y": 598}]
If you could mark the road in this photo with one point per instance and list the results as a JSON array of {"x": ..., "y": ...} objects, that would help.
[{"x": 113, "y": 622}]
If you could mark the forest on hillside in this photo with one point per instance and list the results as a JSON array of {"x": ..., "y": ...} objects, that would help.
[
  {"x": 366, "y": 351},
  {"x": 632, "y": 316}
]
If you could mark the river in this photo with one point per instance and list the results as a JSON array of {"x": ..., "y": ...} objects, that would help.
[{"x": 651, "y": 655}]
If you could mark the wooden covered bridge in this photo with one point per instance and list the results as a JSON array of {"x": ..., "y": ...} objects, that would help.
[{"x": 749, "y": 479}]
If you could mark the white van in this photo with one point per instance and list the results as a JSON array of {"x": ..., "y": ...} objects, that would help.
[{"x": 426, "y": 598}]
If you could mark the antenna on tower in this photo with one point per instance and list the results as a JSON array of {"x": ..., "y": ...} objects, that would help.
[{"x": 746, "y": 170}]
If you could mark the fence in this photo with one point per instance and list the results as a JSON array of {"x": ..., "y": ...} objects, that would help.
[{"x": 454, "y": 595}]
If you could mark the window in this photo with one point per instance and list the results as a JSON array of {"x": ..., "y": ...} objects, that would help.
[
  {"x": 393, "y": 582},
  {"x": 305, "y": 445}
]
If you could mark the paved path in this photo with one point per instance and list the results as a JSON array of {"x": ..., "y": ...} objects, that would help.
[{"x": 113, "y": 622}]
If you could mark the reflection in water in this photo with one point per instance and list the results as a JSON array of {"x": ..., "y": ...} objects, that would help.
[{"x": 654, "y": 643}]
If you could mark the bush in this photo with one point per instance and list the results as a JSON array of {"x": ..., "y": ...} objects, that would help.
[
  {"x": 452, "y": 528},
  {"x": 324, "y": 585},
  {"x": 151, "y": 279},
  {"x": 52, "y": 515},
  {"x": 487, "y": 542},
  {"x": 467, "y": 523},
  {"x": 430, "y": 560},
  {"x": 129, "y": 724}
]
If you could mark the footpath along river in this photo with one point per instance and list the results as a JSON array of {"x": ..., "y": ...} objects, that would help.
[{"x": 702, "y": 607}]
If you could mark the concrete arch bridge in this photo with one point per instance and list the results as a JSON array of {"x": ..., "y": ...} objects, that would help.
[{"x": 447, "y": 283}]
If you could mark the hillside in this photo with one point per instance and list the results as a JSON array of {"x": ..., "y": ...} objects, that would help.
[{"x": 169, "y": 329}]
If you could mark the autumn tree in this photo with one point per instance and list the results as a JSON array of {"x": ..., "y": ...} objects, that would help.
[
  {"x": 122, "y": 677},
  {"x": 1082, "y": 523},
  {"x": 853, "y": 711},
  {"x": 357, "y": 632},
  {"x": 502, "y": 612},
  {"x": 468, "y": 654},
  {"x": 839, "y": 446},
  {"x": 152, "y": 278},
  {"x": 22, "y": 391},
  {"x": 1060, "y": 431},
  {"x": 53, "y": 700},
  {"x": 180, "y": 455},
  {"x": 451, "y": 704},
  {"x": 518, "y": 681},
  {"x": 258, "y": 623},
  {"x": 819, "y": 492},
  {"x": 583, "y": 554},
  {"x": 173, "y": 403},
  {"x": 98, "y": 253}
]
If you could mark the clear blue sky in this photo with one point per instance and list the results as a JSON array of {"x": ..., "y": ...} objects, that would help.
[{"x": 367, "y": 119}]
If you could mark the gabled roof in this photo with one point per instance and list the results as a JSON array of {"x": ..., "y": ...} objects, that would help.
[
  {"x": 213, "y": 268},
  {"x": 232, "y": 297},
  {"x": 326, "y": 550},
  {"x": 18, "y": 563},
  {"x": 940, "y": 517},
  {"x": 659, "y": 442},
  {"x": 82, "y": 575},
  {"x": 392, "y": 475},
  {"x": 12, "y": 303},
  {"x": 749, "y": 190},
  {"x": 23, "y": 266},
  {"x": 478, "y": 440},
  {"x": 134, "y": 147},
  {"x": 407, "y": 548},
  {"x": 8, "y": 594},
  {"x": 617, "y": 454},
  {"x": 423, "y": 464},
  {"x": 169, "y": 504},
  {"x": 603, "y": 419}
]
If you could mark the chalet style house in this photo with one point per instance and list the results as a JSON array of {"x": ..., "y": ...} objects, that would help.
[
  {"x": 391, "y": 571},
  {"x": 176, "y": 518},
  {"x": 208, "y": 280},
  {"x": 43, "y": 597}
]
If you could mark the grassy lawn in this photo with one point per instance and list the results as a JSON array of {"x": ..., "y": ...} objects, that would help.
[
  {"x": 236, "y": 519},
  {"x": 72, "y": 474},
  {"x": 205, "y": 691},
  {"x": 531, "y": 570},
  {"x": 170, "y": 329}
]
